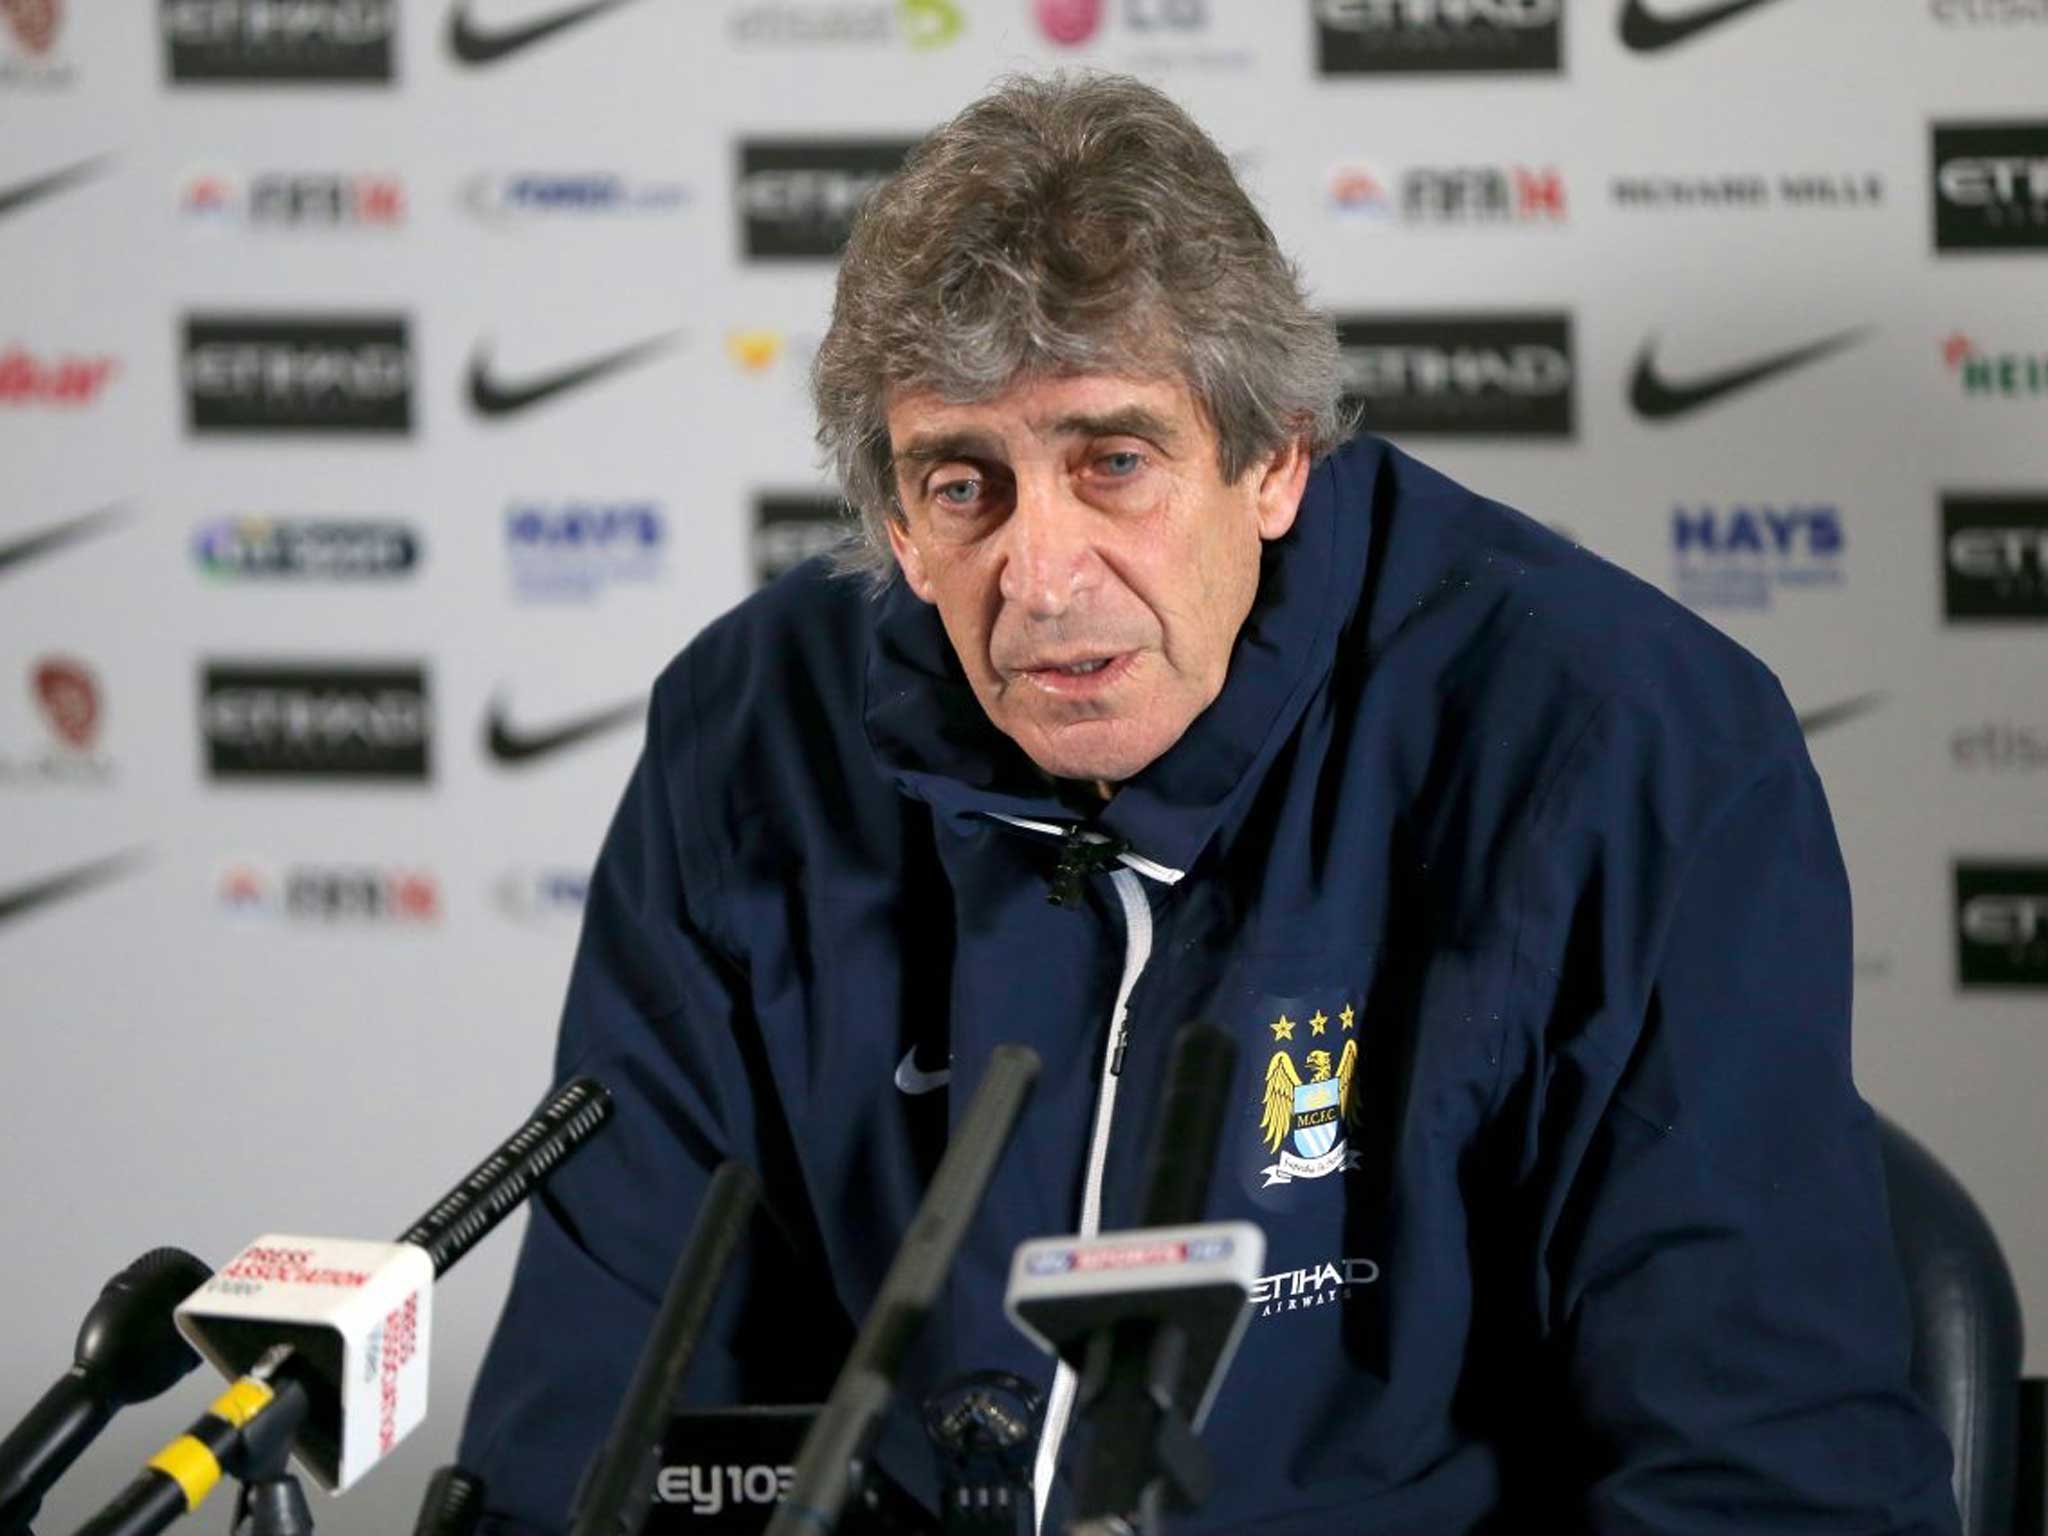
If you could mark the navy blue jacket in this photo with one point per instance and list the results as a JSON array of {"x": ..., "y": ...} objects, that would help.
[{"x": 1524, "y": 857}]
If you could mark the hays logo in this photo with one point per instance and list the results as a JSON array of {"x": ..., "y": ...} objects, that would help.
[
  {"x": 541, "y": 197},
  {"x": 2001, "y": 924},
  {"x": 332, "y": 893},
  {"x": 1457, "y": 197},
  {"x": 29, "y": 55},
  {"x": 246, "y": 373},
  {"x": 571, "y": 551},
  {"x": 1504, "y": 375},
  {"x": 1991, "y": 186},
  {"x": 263, "y": 721},
  {"x": 1376, "y": 37},
  {"x": 1995, "y": 375},
  {"x": 919, "y": 24},
  {"x": 293, "y": 200},
  {"x": 67, "y": 696},
  {"x": 279, "y": 42},
  {"x": 66, "y": 382},
  {"x": 541, "y": 895},
  {"x": 797, "y": 197},
  {"x": 1741, "y": 556},
  {"x": 305, "y": 549},
  {"x": 1995, "y": 558},
  {"x": 790, "y": 529}
]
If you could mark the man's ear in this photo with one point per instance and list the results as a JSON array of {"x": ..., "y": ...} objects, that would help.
[
  {"x": 1281, "y": 480},
  {"x": 908, "y": 560}
]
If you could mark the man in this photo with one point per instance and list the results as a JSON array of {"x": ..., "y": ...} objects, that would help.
[{"x": 1409, "y": 795}]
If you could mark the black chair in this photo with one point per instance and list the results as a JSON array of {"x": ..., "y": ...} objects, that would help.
[{"x": 1967, "y": 1341}]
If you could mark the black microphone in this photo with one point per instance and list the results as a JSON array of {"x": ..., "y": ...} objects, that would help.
[
  {"x": 620, "y": 1489},
  {"x": 829, "y": 1464},
  {"x": 453, "y": 1505},
  {"x": 1137, "y": 1373},
  {"x": 128, "y": 1351},
  {"x": 497, "y": 1185}
]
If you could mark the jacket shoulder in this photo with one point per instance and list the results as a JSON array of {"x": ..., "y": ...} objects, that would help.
[{"x": 1541, "y": 618}]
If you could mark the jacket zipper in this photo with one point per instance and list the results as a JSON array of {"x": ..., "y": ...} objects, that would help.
[{"x": 1137, "y": 950}]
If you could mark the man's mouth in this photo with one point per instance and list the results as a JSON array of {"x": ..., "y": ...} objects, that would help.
[{"x": 1079, "y": 675}]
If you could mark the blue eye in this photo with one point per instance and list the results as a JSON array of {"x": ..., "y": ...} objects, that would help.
[
  {"x": 1122, "y": 464},
  {"x": 945, "y": 497}
]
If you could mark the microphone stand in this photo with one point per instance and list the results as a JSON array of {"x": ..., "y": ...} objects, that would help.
[
  {"x": 619, "y": 1488},
  {"x": 271, "y": 1502},
  {"x": 834, "y": 1452},
  {"x": 1134, "y": 1383}
]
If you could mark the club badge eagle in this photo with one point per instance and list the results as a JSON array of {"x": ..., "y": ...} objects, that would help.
[{"x": 1310, "y": 1112}]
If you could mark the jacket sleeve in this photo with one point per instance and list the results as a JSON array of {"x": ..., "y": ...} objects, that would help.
[
  {"x": 657, "y": 1014},
  {"x": 1725, "y": 1311}
]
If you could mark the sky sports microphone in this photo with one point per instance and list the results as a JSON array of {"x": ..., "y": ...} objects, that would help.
[
  {"x": 1149, "y": 1317},
  {"x": 829, "y": 1466},
  {"x": 128, "y": 1351},
  {"x": 619, "y": 1491},
  {"x": 356, "y": 1315}
]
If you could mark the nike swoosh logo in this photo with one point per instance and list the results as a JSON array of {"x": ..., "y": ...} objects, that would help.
[
  {"x": 1658, "y": 399},
  {"x": 914, "y": 1082},
  {"x": 1814, "y": 721},
  {"x": 17, "y": 197},
  {"x": 477, "y": 45},
  {"x": 1644, "y": 33},
  {"x": 516, "y": 748},
  {"x": 492, "y": 397},
  {"x": 24, "y": 899},
  {"x": 70, "y": 531}
]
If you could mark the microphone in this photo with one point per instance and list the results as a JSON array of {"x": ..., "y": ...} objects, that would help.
[
  {"x": 829, "y": 1465},
  {"x": 1151, "y": 1317},
  {"x": 249, "y": 1423},
  {"x": 357, "y": 1315},
  {"x": 620, "y": 1488},
  {"x": 453, "y": 1505},
  {"x": 128, "y": 1351}
]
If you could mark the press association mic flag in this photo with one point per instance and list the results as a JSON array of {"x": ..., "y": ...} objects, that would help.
[{"x": 358, "y": 1315}]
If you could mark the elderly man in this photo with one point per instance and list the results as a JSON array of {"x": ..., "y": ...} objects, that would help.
[{"x": 1406, "y": 793}]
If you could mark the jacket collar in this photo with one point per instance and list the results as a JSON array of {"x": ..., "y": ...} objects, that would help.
[{"x": 931, "y": 735}]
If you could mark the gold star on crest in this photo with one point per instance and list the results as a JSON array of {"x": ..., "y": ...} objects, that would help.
[
  {"x": 1347, "y": 1016},
  {"x": 1319, "y": 1023},
  {"x": 1282, "y": 1027}
]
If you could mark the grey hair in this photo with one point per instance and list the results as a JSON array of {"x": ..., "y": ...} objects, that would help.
[{"x": 1065, "y": 225}]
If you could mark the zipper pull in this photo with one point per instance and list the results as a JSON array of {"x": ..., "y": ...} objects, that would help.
[
  {"x": 1083, "y": 852},
  {"x": 1123, "y": 1040}
]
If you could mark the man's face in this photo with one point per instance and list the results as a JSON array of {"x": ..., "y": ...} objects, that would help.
[{"x": 1089, "y": 562}]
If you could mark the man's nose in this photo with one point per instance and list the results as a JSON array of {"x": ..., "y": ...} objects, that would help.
[{"x": 1050, "y": 559}]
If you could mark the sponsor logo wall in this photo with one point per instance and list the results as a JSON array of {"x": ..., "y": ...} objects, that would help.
[{"x": 388, "y": 391}]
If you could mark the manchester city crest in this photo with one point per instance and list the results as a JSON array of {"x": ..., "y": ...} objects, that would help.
[{"x": 1308, "y": 1103}]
